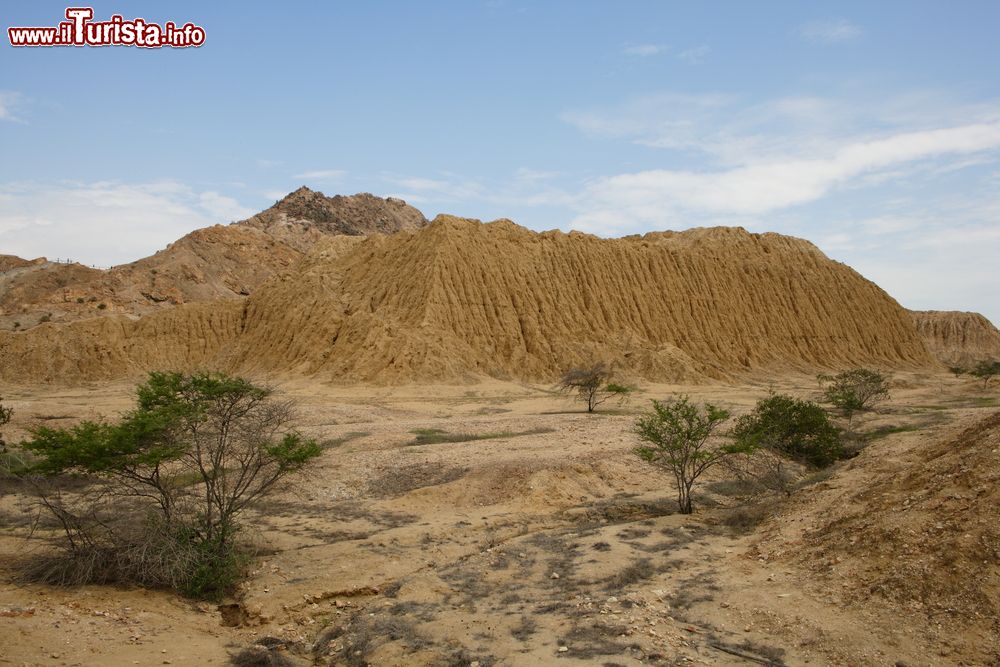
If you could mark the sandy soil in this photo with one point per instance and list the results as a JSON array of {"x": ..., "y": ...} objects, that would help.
[{"x": 552, "y": 544}]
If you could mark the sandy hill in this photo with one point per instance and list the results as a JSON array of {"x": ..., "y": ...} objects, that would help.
[
  {"x": 922, "y": 535},
  {"x": 219, "y": 262},
  {"x": 11, "y": 262},
  {"x": 958, "y": 338},
  {"x": 460, "y": 299}
]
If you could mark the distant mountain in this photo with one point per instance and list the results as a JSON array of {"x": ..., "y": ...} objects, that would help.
[
  {"x": 223, "y": 261},
  {"x": 458, "y": 300},
  {"x": 958, "y": 338}
]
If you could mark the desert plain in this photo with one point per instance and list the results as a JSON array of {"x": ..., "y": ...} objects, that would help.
[{"x": 538, "y": 537}]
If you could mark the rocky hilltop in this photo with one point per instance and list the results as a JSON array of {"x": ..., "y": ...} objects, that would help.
[
  {"x": 958, "y": 338},
  {"x": 305, "y": 216},
  {"x": 219, "y": 262},
  {"x": 459, "y": 299}
]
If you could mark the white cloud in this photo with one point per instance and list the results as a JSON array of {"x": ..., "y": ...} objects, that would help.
[
  {"x": 644, "y": 50},
  {"x": 695, "y": 55},
  {"x": 524, "y": 174},
  {"x": 829, "y": 32},
  {"x": 322, "y": 175},
  {"x": 890, "y": 224},
  {"x": 673, "y": 120},
  {"x": 527, "y": 188},
  {"x": 10, "y": 103},
  {"x": 224, "y": 208},
  {"x": 723, "y": 126},
  {"x": 943, "y": 264},
  {"x": 770, "y": 185},
  {"x": 104, "y": 223},
  {"x": 449, "y": 188},
  {"x": 273, "y": 195}
]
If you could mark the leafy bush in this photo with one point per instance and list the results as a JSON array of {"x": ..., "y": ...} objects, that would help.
[
  {"x": 857, "y": 390},
  {"x": 168, "y": 483},
  {"x": 795, "y": 429},
  {"x": 679, "y": 436}
]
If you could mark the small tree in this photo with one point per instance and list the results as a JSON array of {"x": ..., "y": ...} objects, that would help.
[
  {"x": 5, "y": 417},
  {"x": 10, "y": 461},
  {"x": 957, "y": 371},
  {"x": 986, "y": 371},
  {"x": 593, "y": 385},
  {"x": 782, "y": 429},
  {"x": 194, "y": 454},
  {"x": 857, "y": 390},
  {"x": 678, "y": 437}
]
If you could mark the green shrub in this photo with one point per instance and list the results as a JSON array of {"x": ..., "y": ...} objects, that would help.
[
  {"x": 795, "y": 429},
  {"x": 857, "y": 390},
  {"x": 169, "y": 482}
]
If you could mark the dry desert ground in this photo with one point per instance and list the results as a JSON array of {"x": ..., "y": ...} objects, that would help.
[{"x": 549, "y": 542}]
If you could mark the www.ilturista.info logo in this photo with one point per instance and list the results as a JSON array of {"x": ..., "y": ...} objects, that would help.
[{"x": 80, "y": 30}]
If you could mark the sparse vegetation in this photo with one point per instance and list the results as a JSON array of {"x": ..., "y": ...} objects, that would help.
[
  {"x": 679, "y": 434},
  {"x": 102, "y": 306},
  {"x": 593, "y": 385},
  {"x": 10, "y": 461},
  {"x": 958, "y": 371},
  {"x": 986, "y": 371},
  {"x": 433, "y": 436},
  {"x": 168, "y": 483},
  {"x": 640, "y": 570},
  {"x": 6, "y": 413},
  {"x": 265, "y": 653},
  {"x": 857, "y": 390},
  {"x": 883, "y": 431},
  {"x": 745, "y": 518}
]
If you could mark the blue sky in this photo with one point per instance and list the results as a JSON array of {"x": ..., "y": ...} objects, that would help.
[{"x": 869, "y": 128}]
